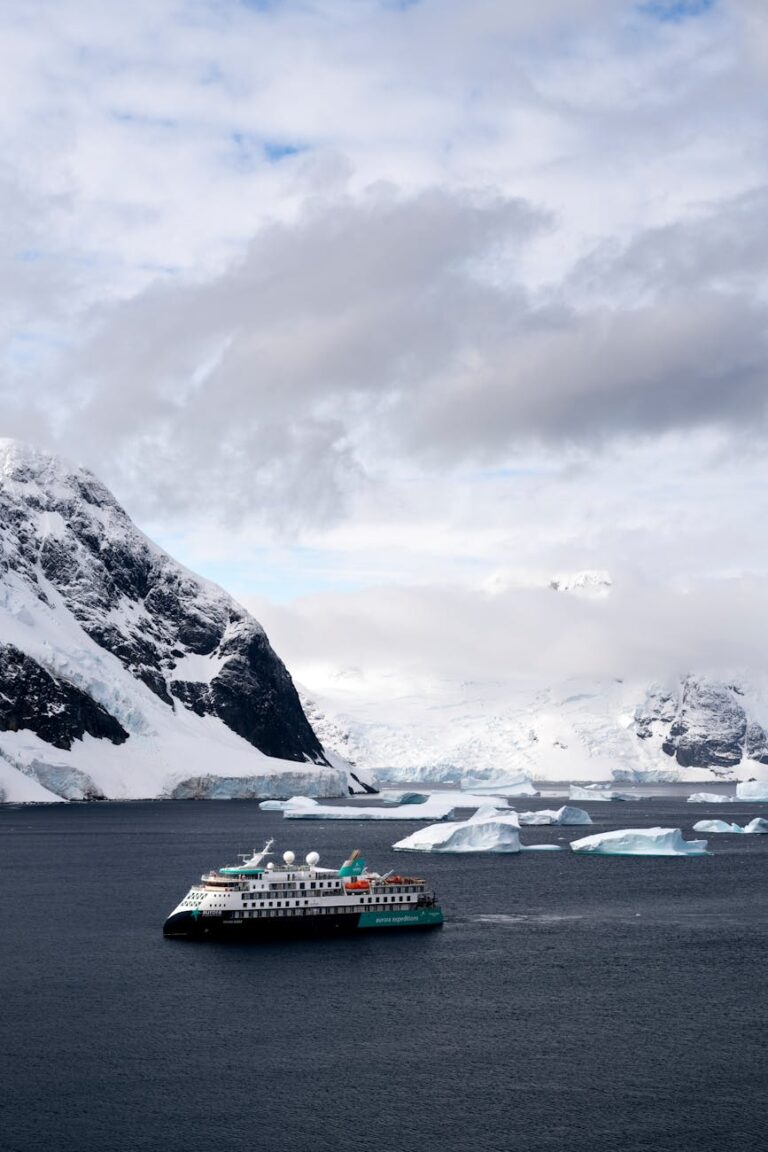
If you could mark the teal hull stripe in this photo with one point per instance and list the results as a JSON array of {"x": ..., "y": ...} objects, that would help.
[{"x": 419, "y": 917}]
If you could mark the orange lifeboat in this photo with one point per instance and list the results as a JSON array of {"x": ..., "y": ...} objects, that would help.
[{"x": 357, "y": 886}]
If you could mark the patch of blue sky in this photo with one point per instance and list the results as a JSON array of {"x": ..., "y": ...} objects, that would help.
[
  {"x": 251, "y": 151},
  {"x": 675, "y": 11}
]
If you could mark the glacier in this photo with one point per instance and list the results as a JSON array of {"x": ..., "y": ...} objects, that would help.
[{"x": 640, "y": 842}]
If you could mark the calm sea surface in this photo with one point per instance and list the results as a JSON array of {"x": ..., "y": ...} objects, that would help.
[{"x": 569, "y": 1004}]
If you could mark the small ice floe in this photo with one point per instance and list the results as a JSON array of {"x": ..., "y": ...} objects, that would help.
[
  {"x": 434, "y": 808},
  {"x": 752, "y": 790},
  {"x": 520, "y": 785},
  {"x": 564, "y": 815},
  {"x": 390, "y": 798},
  {"x": 756, "y": 826},
  {"x": 640, "y": 842},
  {"x": 710, "y": 798},
  {"x": 541, "y": 848},
  {"x": 599, "y": 792},
  {"x": 487, "y": 831},
  {"x": 283, "y": 805}
]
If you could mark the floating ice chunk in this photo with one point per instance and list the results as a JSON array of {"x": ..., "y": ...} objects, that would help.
[
  {"x": 390, "y": 798},
  {"x": 599, "y": 792},
  {"x": 640, "y": 842},
  {"x": 432, "y": 809},
  {"x": 710, "y": 798},
  {"x": 716, "y": 826},
  {"x": 541, "y": 848},
  {"x": 752, "y": 790},
  {"x": 282, "y": 805},
  {"x": 564, "y": 815},
  {"x": 487, "y": 831},
  {"x": 520, "y": 785},
  {"x": 757, "y": 825}
]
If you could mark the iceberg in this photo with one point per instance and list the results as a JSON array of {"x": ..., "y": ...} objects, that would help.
[
  {"x": 710, "y": 798},
  {"x": 541, "y": 848},
  {"x": 640, "y": 842},
  {"x": 434, "y": 808},
  {"x": 487, "y": 831},
  {"x": 282, "y": 805},
  {"x": 390, "y": 798},
  {"x": 758, "y": 825},
  {"x": 565, "y": 815},
  {"x": 520, "y": 785},
  {"x": 716, "y": 826},
  {"x": 599, "y": 792},
  {"x": 752, "y": 790}
]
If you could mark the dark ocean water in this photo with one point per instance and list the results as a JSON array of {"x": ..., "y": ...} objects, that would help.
[{"x": 576, "y": 1004}]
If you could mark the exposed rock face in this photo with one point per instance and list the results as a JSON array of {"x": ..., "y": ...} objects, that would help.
[
  {"x": 67, "y": 545},
  {"x": 702, "y": 725},
  {"x": 57, "y": 711}
]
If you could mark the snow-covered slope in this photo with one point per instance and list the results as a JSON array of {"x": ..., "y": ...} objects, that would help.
[
  {"x": 122, "y": 674},
  {"x": 692, "y": 729}
]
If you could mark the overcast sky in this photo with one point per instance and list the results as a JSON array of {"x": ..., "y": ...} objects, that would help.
[{"x": 389, "y": 311}]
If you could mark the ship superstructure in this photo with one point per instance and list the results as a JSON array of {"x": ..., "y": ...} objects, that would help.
[{"x": 258, "y": 898}]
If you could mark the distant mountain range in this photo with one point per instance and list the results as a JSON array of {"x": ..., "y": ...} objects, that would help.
[{"x": 124, "y": 675}]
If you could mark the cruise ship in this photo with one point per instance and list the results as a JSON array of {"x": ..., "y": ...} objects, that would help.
[{"x": 258, "y": 899}]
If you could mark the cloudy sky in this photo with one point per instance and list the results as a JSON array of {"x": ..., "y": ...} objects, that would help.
[{"x": 382, "y": 313}]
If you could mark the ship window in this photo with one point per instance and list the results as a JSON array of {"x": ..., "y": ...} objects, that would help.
[{"x": 302, "y": 885}]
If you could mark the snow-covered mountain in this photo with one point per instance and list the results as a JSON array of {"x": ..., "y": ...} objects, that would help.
[
  {"x": 694, "y": 728},
  {"x": 122, "y": 674}
]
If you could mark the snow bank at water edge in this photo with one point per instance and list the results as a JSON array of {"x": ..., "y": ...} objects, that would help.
[{"x": 640, "y": 842}]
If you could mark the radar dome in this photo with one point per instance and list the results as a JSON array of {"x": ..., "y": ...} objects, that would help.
[
  {"x": 312, "y": 858},
  {"x": 289, "y": 857},
  {"x": 270, "y": 866}
]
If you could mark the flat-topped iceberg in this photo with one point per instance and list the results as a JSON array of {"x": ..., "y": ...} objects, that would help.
[
  {"x": 434, "y": 808},
  {"x": 753, "y": 790},
  {"x": 710, "y": 798},
  {"x": 640, "y": 842},
  {"x": 520, "y": 785},
  {"x": 282, "y": 805},
  {"x": 487, "y": 831},
  {"x": 599, "y": 792},
  {"x": 756, "y": 826},
  {"x": 564, "y": 815},
  {"x": 390, "y": 798}
]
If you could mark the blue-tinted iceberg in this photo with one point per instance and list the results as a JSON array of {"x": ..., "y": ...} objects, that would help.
[
  {"x": 640, "y": 842},
  {"x": 716, "y": 826},
  {"x": 756, "y": 826},
  {"x": 520, "y": 785},
  {"x": 487, "y": 831},
  {"x": 710, "y": 798},
  {"x": 599, "y": 792},
  {"x": 753, "y": 790},
  {"x": 282, "y": 805},
  {"x": 390, "y": 798},
  {"x": 564, "y": 815}
]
